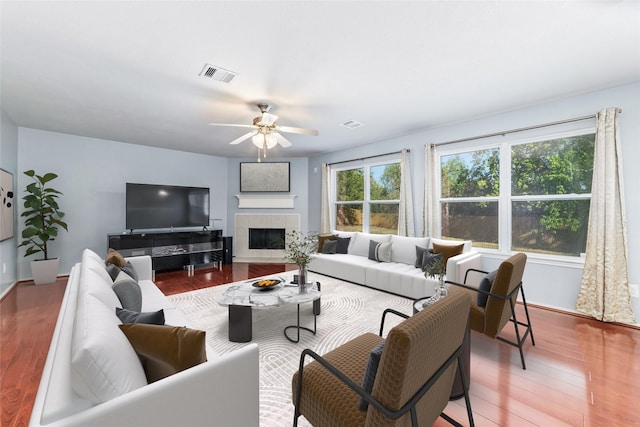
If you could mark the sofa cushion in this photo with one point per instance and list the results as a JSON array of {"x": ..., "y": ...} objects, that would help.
[
  {"x": 468, "y": 244},
  {"x": 342, "y": 246},
  {"x": 128, "y": 292},
  {"x": 114, "y": 257},
  {"x": 373, "y": 245},
  {"x": 403, "y": 249},
  {"x": 103, "y": 363},
  {"x": 95, "y": 280},
  {"x": 485, "y": 284},
  {"x": 150, "y": 318},
  {"x": 329, "y": 247},
  {"x": 448, "y": 251},
  {"x": 165, "y": 350},
  {"x": 361, "y": 244},
  {"x": 370, "y": 372}
]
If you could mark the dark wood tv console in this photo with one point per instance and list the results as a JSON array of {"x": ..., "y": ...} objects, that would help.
[{"x": 172, "y": 250}]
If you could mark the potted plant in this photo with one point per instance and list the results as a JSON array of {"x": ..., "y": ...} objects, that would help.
[
  {"x": 43, "y": 217},
  {"x": 299, "y": 249}
]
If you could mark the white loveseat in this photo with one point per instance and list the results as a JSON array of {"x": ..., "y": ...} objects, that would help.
[
  {"x": 222, "y": 391},
  {"x": 400, "y": 276}
]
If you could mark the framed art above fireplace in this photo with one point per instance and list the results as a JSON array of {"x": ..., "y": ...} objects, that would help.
[{"x": 261, "y": 177}]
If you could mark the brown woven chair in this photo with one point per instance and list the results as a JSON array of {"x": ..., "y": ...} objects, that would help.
[
  {"x": 501, "y": 299},
  {"x": 414, "y": 377}
]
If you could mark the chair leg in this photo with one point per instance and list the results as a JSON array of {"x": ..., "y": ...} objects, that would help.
[{"x": 526, "y": 312}]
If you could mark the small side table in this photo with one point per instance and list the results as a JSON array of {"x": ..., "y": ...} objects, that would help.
[
  {"x": 311, "y": 295},
  {"x": 457, "y": 390}
]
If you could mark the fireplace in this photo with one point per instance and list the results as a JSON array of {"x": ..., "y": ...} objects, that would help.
[
  {"x": 270, "y": 221},
  {"x": 266, "y": 238}
]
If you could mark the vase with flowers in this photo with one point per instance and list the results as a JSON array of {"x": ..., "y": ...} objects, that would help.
[
  {"x": 436, "y": 269},
  {"x": 299, "y": 250}
]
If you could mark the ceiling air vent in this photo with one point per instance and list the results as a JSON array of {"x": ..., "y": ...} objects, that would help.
[
  {"x": 217, "y": 73},
  {"x": 351, "y": 124}
]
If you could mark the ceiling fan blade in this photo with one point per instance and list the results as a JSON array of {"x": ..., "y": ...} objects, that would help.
[
  {"x": 268, "y": 119},
  {"x": 297, "y": 130},
  {"x": 234, "y": 125},
  {"x": 282, "y": 140},
  {"x": 243, "y": 137}
]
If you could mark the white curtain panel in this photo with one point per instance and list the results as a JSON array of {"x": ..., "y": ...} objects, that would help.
[
  {"x": 430, "y": 211},
  {"x": 604, "y": 292},
  {"x": 405, "y": 214},
  {"x": 325, "y": 214}
]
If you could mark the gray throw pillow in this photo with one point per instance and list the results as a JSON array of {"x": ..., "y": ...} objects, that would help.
[
  {"x": 370, "y": 372},
  {"x": 128, "y": 268},
  {"x": 329, "y": 246},
  {"x": 420, "y": 255},
  {"x": 150, "y": 318},
  {"x": 128, "y": 292},
  {"x": 373, "y": 245},
  {"x": 428, "y": 258},
  {"x": 343, "y": 245},
  {"x": 485, "y": 284},
  {"x": 380, "y": 252}
]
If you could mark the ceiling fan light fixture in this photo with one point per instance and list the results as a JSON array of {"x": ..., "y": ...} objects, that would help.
[{"x": 262, "y": 139}]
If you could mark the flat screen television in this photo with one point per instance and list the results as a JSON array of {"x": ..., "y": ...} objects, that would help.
[{"x": 165, "y": 206}]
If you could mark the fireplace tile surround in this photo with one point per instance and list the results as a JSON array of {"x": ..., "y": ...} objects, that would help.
[{"x": 243, "y": 222}]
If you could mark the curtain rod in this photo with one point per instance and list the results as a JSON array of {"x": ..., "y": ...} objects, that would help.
[
  {"x": 505, "y": 132},
  {"x": 367, "y": 157}
]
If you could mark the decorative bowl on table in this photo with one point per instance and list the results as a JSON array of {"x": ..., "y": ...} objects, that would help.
[{"x": 266, "y": 284}]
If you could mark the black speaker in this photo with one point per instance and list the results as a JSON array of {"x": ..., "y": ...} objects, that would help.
[{"x": 227, "y": 250}]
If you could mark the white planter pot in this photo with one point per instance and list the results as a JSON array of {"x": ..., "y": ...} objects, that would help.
[{"x": 44, "y": 271}]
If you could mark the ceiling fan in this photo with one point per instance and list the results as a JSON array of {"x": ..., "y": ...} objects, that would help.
[{"x": 265, "y": 132}]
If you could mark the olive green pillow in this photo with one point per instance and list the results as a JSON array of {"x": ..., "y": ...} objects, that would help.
[{"x": 164, "y": 350}]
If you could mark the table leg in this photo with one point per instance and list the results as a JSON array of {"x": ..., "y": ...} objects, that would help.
[
  {"x": 316, "y": 303},
  {"x": 298, "y": 327},
  {"x": 240, "y": 320}
]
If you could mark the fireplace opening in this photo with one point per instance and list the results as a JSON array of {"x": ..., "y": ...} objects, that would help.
[{"x": 266, "y": 238}]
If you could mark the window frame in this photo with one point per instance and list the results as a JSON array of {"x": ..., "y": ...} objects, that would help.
[
  {"x": 366, "y": 203},
  {"x": 505, "y": 199}
]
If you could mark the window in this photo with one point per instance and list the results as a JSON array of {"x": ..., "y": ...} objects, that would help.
[
  {"x": 367, "y": 198},
  {"x": 530, "y": 196}
]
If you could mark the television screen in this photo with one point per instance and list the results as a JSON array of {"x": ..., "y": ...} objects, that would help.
[{"x": 165, "y": 206}]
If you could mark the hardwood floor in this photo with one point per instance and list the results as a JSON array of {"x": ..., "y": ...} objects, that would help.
[{"x": 580, "y": 373}]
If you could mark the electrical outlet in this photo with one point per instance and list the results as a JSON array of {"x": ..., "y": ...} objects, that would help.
[{"x": 634, "y": 291}]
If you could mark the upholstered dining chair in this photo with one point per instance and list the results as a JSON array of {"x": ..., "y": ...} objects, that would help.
[
  {"x": 413, "y": 380},
  {"x": 496, "y": 299}
]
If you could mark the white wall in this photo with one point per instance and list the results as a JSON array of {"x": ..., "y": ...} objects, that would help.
[
  {"x": 92, "y": 176},
  {"x": 9, "y": 162},
  {"x": 546, "y": 284}
]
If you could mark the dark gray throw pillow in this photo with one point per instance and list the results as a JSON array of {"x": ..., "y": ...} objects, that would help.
[
  {"x": 150, "y": 318},
  {"x": 485, "y": 284},
  {"x": 329, "y": 246},
  {"x": 420, "y": 255},
  {"x": 428, "y": 258},
  {"x": 370, "y": 372},
  {"x": 372, "y": 250},
  {"x": 343, "y": 245},
  {"x": 128, "y": 292}
]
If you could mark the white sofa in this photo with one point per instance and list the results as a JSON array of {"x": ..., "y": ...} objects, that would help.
[
  {"x": 400, "y": 276},
  {"x": 222, "y": 391}
]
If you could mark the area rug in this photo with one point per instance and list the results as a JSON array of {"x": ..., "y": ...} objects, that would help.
[{"x": 348, "y": 310}]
